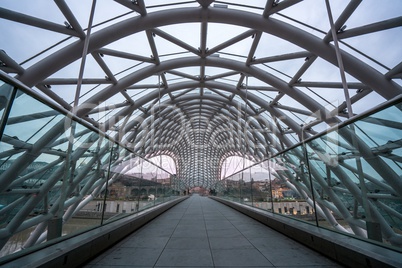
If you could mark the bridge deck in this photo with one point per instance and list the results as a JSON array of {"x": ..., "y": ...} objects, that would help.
[{"x": 200, "y": 232}]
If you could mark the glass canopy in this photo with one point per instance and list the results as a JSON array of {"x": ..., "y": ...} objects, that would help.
[{"x": 204, "y": 80}]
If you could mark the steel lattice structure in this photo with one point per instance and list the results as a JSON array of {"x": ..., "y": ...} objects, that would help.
[
  {"x": 197, "y": 113},
  {"x": 204, "y": 80}
]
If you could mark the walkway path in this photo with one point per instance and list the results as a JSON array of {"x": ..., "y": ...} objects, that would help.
[{"x": 200, "y": 232}]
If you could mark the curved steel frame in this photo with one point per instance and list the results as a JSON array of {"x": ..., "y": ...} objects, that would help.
[
  {"x": 199, "y": 130},
  {"x": 37, "y": 75}
]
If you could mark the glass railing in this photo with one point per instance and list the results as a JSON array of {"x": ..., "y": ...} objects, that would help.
[
  {"x": 348, "y": 179},
  {"x": 60, "y": 176}
]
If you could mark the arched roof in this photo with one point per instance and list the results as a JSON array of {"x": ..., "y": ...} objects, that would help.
[{"x": 203, "y": 80}]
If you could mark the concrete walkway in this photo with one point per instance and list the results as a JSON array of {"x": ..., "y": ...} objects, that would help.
[{"x": 200, "y": 232}]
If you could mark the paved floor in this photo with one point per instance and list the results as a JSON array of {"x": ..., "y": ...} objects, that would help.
[{"x": 200, "y": 232}]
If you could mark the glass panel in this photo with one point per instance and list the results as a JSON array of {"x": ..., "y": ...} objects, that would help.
[
  {"x": 150, "y": 185},
  {"x": 59, "y": 178},
  {"x": 29, "y": 172},
  {"x": 88, "y": 174},
  {"x": 124, "y": 181},
  {"x": 356, "y": 174},
  {"x": 292, "y": 194},
  {"x": 29, "y": 119},
  {"x": 348, "y": 180},
  {"x": 260, "y": 186}
]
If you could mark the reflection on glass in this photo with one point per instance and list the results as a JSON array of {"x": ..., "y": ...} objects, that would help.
[
  {"x": 59, "y": 177},
  {"x": 347, "y": 180}
]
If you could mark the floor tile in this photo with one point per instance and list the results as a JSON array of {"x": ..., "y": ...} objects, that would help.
[
  {"x": 188, "y": 243},
  {"x": 229, "y": 243},
  {"x": 257, "y": 232},
  {"x": 190, "y": 233},
  {"x": 155, "y": 232},
  {"x": 230, "y": 232},
  {"x": 132, "y": 256},
  {"x": 239, "y": 257},
  {"x": 185, "y": 258}
]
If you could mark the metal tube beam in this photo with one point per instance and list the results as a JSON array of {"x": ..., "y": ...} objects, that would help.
[
  {"x": 35, "y": 22},
  {"x": 353, "y": 66}
]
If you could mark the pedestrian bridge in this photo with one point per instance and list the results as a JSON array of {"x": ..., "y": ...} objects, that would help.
[
  {"x": 199, "y": 231},
  {"x": 337, "y": 194},
  {"x": 113, "y": 121}
]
